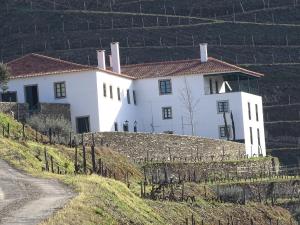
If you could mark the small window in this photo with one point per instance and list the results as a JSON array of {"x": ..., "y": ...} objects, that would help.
[
  {"x": 211, "y": 86},
  {"x": 167, "y": 113},
  {"x": 110, "y": 91},
  {"x": 223, "y": 133},
  {"x": 217, "y": 87},
  {"x": 126, "y": 126},
  {"x": 9, "y": 96},
  {"x": 134, "y": 97},
  {"x": 258, "y": 137},
  {"x": 165, "y": 87},
  {"x": 128, "y": 97},
  {"x": 223, "y": 106},
  {"x": 119, "y": 94},
  {"x": 256, "y": 111},
  {"x": 104, "y": 89},
  {"x": 60, "y": 89},
  {"x": 116, "y": 126},
  {"x": 249, "y": 110},
  {"x": 251, "y": 136},
  {"x": 83, "y": 124}
]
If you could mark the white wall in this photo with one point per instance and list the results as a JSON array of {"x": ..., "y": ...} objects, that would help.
[
  {"x": 112, "y": 110},
  {"x": 81, "y": 93},
  {"x": 253, "y": 99}
]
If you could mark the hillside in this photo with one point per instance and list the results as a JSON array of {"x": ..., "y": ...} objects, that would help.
[
  {"x": 261, "y": 35},
  {"x": 109, "y": 201}
]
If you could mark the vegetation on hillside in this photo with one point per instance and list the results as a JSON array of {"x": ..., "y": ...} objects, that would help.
[{"x": 107, "y": 201}]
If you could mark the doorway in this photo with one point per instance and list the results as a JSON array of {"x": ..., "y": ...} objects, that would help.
[{"x": 31, "y": 97}]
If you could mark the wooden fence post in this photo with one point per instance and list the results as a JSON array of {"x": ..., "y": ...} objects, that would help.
[
  {"x": 93, "y": 158},
  {"x": 46, "y": 159},
  {"x": 84, "y": 159},
  {"x": 51, "y": 162},
  {"x": 36, "y": 136},
  {"x": 8, "y": 130},
  {"x": 76, "y": 160},
  {"x": 50, "y": 136},
  {"x": 23, "y": 130}
]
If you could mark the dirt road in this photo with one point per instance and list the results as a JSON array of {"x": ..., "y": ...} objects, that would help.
[{"x": 25, "y": 200}]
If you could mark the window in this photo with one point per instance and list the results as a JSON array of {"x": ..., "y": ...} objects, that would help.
[
  {"x": 9, "y": 96},
  {"x": 167, "y": 113},
  {"x": 60, "y": 89},
  {"x": 104, "y": 89},
  {"x": 258, "y": 136},
  {"x": 165, "y": 87},
  {"x": 110, "y": 91},
  {"x": 210, "y": 86},
  {"x": 256, "y": 111},
  {"x": 83, "y": 124},
  {"x": 135, "y": 128},
  {"x": 223, "y": 106},
  {"x": 134, "y": 97},
  {"x": 116, "y": 126},
  {"x": 125, "y": 126},
  {"x": 251, "y": 136},
  {"x": 249, "y": 110},
  {"x": 119, "y": 94},
  {"x": 128, "y": 97},
  {"x": 217, "y": 87},
  {"x": 222, "y": 131}
]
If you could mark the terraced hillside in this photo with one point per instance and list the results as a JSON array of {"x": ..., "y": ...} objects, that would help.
[{"x": 263, "y": 35}]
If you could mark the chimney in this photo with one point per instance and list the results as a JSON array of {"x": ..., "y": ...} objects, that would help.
[
  {"x": 203, "y": 53},
  {"x": 116, "y": 66},
  {"x": 110, "y": 61},
  {"x": 101, "y": 59}
]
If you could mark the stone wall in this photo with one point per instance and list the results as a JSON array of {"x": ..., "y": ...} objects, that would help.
[
  {"x": 163, "y": 147},
  {"x": 215, "y": 170},
  {"x": 21, "y": 111}
]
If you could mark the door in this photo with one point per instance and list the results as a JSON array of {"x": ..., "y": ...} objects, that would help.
[
  {"x": 31, "y": 97},
  {"x": 83, "y": 124}
]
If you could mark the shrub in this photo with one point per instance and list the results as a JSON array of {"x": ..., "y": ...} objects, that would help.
[{"x": 58, "y": 125}]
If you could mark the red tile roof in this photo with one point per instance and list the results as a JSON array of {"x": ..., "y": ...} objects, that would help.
[
  {"x": 33, "y": 65},
  {"x": 183, "y": 67}
]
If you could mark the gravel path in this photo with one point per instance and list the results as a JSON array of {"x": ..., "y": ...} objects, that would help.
[{"x": 25, "y": 200}]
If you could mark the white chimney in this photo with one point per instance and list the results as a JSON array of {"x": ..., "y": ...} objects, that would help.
[
  {"x": 110, "y": 61},
  {"x": 116, "y": 65},
  {"x": 101, "y": 59},
  {"x": 203, "y": 53}
]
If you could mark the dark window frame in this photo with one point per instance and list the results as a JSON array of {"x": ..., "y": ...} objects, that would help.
[
  {"x": 249, "y": 111},
  {"x": 167, "y": 113},
  {"x": 116, "y": 127},
  {"x": 222, "y": 131},
  {"x": 251, "y": 136},
  {"x": 211, "y": 91},
  {"x": 134, "y": 97},
  {"x": 165, "y": 87},
  {"x": 223, "y": 106},
  {"x": 60, "y": 94},
  {"x": 256, "y": 112},
  {"x": 119, "y": 94},
  {"x": 258, "y": 137},
  {"x": 104, "y": 90},
  {"x": 128, "y": 96},
  {"x": 9, "y": 92},
  {"x": 111, "y": 95},
  {"x": 89, "y": 124},
  {"x": 217, "y": 86}
]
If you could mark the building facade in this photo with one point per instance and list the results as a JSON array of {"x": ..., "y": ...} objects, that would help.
[{"x": 203, "y": 97}]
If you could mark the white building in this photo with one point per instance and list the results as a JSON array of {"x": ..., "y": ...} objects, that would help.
[{"x": 204, "y": 97}]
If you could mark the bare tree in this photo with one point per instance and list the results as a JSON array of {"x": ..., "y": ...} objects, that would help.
[
  {"x": 233, "y": 125},
  {"x": 4, "y": 76},
  {"x": 226, "y": 126},
  {"x": 189, "y": 103}
]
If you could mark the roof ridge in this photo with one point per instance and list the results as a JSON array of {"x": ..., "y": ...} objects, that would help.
[{"x": 156, "y": 63}]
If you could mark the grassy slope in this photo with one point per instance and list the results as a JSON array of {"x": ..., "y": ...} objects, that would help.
[{"x": 106, "y": 201}]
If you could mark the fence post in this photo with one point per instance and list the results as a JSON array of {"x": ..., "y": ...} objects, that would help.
[
  {"x": 23, "y": 130},
  {"x": 93, "y": 158},
  {"x": 50, "y": 136},
  {"x": 8, "y": 130},
  {"x": 51, "y": 162},
  {"x": 46, "y": 159},
  {"x": 36, "y": 136},
  {"x": 76, "y": 160},
  {"x": 84, "y": 159}
]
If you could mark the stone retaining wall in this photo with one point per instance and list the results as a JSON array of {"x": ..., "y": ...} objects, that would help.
[
  {"x": 163, "y": 147},
  {"x": 21, "y": 111}
]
